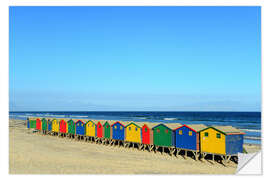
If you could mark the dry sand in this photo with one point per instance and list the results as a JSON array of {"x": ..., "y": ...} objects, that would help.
[{"x": 31, "y": 153}]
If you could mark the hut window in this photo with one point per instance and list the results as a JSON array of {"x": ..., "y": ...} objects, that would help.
[
  {"x": 115, "y": 127},
  {"x": 218, "y": 135},
  {"x": 145, "y": 130},
  {"x": 206, "y": 134},
  {"x": 92, "y": 125},
  {"x": 180, "y": 132},
  {"x": 158, "y": 130},
  {"x": 135, "y": 129},
  {"x": 166, "y": 131},
  {"x": 129, "y": 128},
  {"x": 107, "y": 126},
  {"x": 121, "y": 127},
  {"x": 190, "y": 133}
]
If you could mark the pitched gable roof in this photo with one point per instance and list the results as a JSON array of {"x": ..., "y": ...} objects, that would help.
[
  {"x": 135, "y": 123},
  {"x": 171, "y": 126},
  {"x": 228, "y": 129},
  {"x": 82, "y": 120},
  {"x": 197, "y": 127}
]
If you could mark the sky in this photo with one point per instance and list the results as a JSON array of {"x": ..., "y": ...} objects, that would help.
[{"x": 135, "y": 58}]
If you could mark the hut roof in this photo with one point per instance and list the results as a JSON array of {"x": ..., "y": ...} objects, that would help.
[
  {"x": 197, "y": 127},
  {"x": 92, "y": 120},
  {"x": 55, "y": 119},
  {"x": 65, "y": 119},
  {"x": 101, "y": 121},
  {"x": 125, "y": 123},
  {"x": 83, "y": 120},
  {"x": 149, "y": 125},
  {"x": 141, "y": 124},
  {"x": 172, "y": 126},
  {"x": 108, "y": 121},
  {"x": 111, "y": 122},
  {"x": 135, "y": 123},
  {"x": 228, "y": 129},
  {"x": 72, "y": 120}
]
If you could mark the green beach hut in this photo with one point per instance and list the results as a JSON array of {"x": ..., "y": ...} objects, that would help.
[
  {"x": 32, "y": 122},
  {"x": 163, "y": 134},
  {"x": 71, "y": 128},
  {"x": 107, "y": 130},
  {"x": 44, "y": 124}
]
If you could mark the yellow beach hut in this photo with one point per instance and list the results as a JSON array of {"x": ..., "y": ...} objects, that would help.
[
  {"x": 90, "y": 129},
  {"x": 55, "y": 126},
  {"x": 222, "y": 140},
  {"x": 133, "y": 133}
]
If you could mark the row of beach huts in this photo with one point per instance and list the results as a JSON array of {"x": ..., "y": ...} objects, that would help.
[{"x": 197, "y": 139}]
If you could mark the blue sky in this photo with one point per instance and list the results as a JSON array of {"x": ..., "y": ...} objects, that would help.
[{"x": 135, "y": 58}]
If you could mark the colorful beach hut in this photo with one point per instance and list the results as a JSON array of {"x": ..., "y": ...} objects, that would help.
[
  {"x": 133, "y": 133},
  {"x": 188, "y": 136},
  {"x": 63, "y": 127},
  {"x": 38, "y": 124},
  {"x": 27, "y": 123},
  {"x": 222, "y": 140},
  {"x": 71, "y": 127},
  {"x": 44, "y": 125},
  {"x": 80, "y": 127},
  {"x": 49, "y": 125},
  {"x": 55, "y": 126},
  {"x": 147, "y": 132},
  {"x": 163, "y": 135},
  {"x": 99, "y": 128},
  {"x": 31, "y": 122},
  {"x": 118, "y": 130},
  {"x": 107, "y": 130},
  {"x": 90, "y": 128}
]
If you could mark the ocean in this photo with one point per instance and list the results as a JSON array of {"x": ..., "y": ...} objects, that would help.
[{"x": 249, "y": 122}]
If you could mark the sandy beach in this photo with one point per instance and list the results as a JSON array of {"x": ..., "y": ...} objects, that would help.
[{"x": 32, "y": 153}]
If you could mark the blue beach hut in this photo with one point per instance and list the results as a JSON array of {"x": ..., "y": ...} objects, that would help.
[
  {"x": 118, "y": 131},
  {"x": 28, "y": 123},
  {"x": 49, "y": 125},
  {"x": 80, "y": 127},
  {"x": 188, "y": 137}
]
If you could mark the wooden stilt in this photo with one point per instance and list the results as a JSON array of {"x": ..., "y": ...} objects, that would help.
[
  {"x": 171, "y": 150},
  {"x": 152, "y": 148},
  {"x": 197, "y": 155},
  {"x": 177, "y": 152},
  {"x": 226, "y": 159}
]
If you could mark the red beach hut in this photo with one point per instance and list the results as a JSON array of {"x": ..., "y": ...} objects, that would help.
[
  {"x": 100, "y": 129},
  {"x": 63, "y": 126},
  {"x": 147, "y": 133},
  {"x": 38, "y": 124}
]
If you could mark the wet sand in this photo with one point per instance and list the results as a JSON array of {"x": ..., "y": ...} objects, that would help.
[{"x": 32, "y": 153}]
